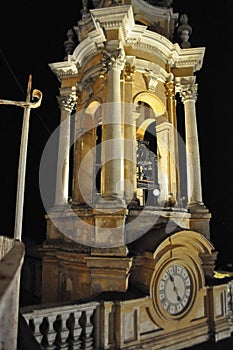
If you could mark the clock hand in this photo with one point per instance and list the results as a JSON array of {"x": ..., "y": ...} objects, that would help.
[{"x": 174, "y": 287}]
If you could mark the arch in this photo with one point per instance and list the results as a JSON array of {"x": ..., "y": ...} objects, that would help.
[
  {"x": 191, "y": 240},
  {"x": 92, "y": 106},
  {"x": 152, "y": 100},
  {"x": 142, "y": 128},
  {"x": 90, "y": 109},
  {"x": 141, "y": 20}
]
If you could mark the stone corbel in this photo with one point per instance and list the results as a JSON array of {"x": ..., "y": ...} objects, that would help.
[{"x": 151, "y": 80}]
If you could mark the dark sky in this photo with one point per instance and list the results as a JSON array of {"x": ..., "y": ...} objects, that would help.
[{"x": 32, "y": 35}]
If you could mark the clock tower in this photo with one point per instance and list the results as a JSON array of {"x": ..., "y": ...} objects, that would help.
[{"x": 129, "y": 225}]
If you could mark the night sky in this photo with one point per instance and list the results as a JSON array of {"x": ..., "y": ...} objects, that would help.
[{"x": 32, "y": 35}]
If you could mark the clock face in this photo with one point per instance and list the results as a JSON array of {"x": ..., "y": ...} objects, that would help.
[{"x": 175, "y": 289}]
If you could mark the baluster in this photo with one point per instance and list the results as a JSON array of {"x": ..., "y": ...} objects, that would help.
[
  {"x": 52, "y": 334},
  {"x": 49, "y": 334},
  {"x": 35, "y": 328},
  {"x": 75, "y": 331},
  {"x": 64, "y": 331},
  {"x": 44, "y": 327},
  {"x": 87, "y": 331}
]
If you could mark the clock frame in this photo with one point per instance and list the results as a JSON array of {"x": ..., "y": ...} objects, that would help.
[{"x": 174, "y": 289}]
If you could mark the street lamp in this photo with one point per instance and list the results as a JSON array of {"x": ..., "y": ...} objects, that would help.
[{"x": 27, "y": 105}]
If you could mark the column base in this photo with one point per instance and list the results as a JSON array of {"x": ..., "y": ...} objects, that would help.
[
  {"x": 199, "y": 219},
  {"x": 109, "y": 273},
  {"x": 109, "y": 224},
  {"x": 197, "y": 208},
  {"x": 59, "y": 207},
  {"x": 116, "y": 251},
  {"x": 109, "y": 200}
]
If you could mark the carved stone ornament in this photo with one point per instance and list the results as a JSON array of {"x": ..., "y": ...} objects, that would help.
[
  {"x": 67, "y": 101},
  {"x": 188, "y": 92},
  {"x": 98, "y": 3},
  {"x": 170, "y": 89},
  {"x": 129, "y": 71},
  {"x": 113, "y": 58},
  {"x": 151, "y": 80},
  {"x": 88, "y": 85},
  {"x": 85, "y": 7},
  {"x": 69, "y": 44},
  {"x": 162, "y": 3},
  {"x": 184, "y": 31}
]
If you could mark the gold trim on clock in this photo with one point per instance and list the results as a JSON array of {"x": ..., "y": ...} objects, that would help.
[{"x": 174, "y": 289}]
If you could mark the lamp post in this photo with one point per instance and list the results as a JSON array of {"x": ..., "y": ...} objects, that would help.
[{"x": 27, "y": 105}]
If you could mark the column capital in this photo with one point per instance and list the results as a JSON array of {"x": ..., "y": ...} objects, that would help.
[
  {"x": 67, "y": 98},
  {"x": 129, "y": 71},
  {"x": 129, "y": 68},
  {"x": 170, "y": 89},
  {"x": 188, "y": 92},
  {"x": 113, "y": 58},
  {"x": 187, "y": 88}
]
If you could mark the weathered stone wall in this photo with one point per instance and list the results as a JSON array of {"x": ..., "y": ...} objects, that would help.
[
  {"x": 6, "y": 245},
  {"x": 12, "y": 255}
]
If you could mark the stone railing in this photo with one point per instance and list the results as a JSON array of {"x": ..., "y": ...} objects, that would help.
[
  {"x": 12, "y": 256},
  {"x": 65, "y": 326},
  {"x": 230, "y": 303},
  {"x": 6, "y": 244}
]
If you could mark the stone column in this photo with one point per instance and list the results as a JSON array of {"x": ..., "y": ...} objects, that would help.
[
  {"x": 174, "y": 190},
  {"x": 67, "y": 101},
  {"x": 112, "y": 129},
  {"x": 130, "y": 169},
  {"x": 110, "y": 208},
  {"x": 84, "y": 162},
  {"x": 188, "y": 93}
]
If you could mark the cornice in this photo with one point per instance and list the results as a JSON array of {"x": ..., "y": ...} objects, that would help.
[
  {"x": 192, "y": 57},
  {"x": 153, "y": 11},
  {"x": 119, "y": 17},
  {"x": 64, "y": 69},
  {"x": 132, "y": 35}
]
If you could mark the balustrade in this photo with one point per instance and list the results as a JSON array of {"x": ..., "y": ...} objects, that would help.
[
  {"x": 69, "y": 327},
  {"x": 229, "y": 305}
]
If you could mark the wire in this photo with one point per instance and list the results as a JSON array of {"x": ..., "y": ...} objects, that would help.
[
  {"x": 11, "y": 71},
  {"x": 21, "y": 89}
]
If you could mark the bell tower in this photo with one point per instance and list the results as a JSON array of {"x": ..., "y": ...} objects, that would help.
[
  {"x": 119, "y": 87},
  {"x": 133, "y": 219}
]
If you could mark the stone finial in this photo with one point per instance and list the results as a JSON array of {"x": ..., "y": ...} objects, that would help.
[
  {"x": 184, "y": 31},
  {"x": 115, "y": 2},
  {"x": 162, "y": 3},
  {"x": 69, "y": 44},
  {"x": 85, "y": 5}
]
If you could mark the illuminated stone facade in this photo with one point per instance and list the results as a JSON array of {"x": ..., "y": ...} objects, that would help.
[{"x": 129, "y": 229}]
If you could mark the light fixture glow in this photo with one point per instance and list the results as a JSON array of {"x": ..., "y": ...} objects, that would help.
[{"x": 156, "y": 192}]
